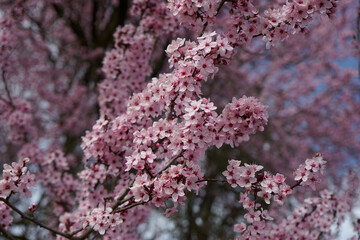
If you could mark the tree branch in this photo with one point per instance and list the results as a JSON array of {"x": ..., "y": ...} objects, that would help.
[
  {"x": 159, "y": 63},
  {"x": 123, "y": 195},
  {"x": 75, "y": 27},
  {"x": 296, "y": 184},
  {"x": 129, "y": 206},
  {"x": 93, "y": 21},
  {"x": 117, "y": 18},
  {"x": 171, "y": 162},
  {"x": 33, "y": 220},
  {"x": 211, "y": 180},
  {"x": 10, "y": 101}
]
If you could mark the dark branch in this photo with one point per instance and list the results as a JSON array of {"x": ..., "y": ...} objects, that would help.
[
  {"x": 129, "y": 206},
  {"x": 75, "y": 27},
  {"x": 33, "y": 220},
  {"x": 93, "y": 20},
  {"x": 117, "y": 18},
  {"x": 10, "y": 101},
  {"x": 120, "y": 199},
  {"x": 171, "y": 162},
  {"x": 296, "y": 184},
  {"x": 212, "y": 180}
]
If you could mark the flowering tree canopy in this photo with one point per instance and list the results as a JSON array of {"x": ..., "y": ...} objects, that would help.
[{"x": 232, "y": 118}]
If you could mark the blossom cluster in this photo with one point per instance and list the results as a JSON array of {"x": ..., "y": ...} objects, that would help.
[
  {"x": 186, "y": 125},
  {"x": 127, "y": 65},
  {"x": 241, "y": 118},
  {"x": 101, "y": 219},
  {"x": 119, "y": 67},
  {"x": 309, "y": 173},
  {"x": 75, "y": 107},
  {"x": 57, "y": 180},
  {"x": 263, "y": 186},
  {"x": 156, "y": 19},
  {"x": 16, "y": 179},
  {"x": 171, "y": 93},
  {"x": 174, "y": 91},
  {"x": 6, "y": 41},
  {"x": 16, "y": 114},
  {"x": 245, "y": 21},
  {"x": 315, "y": 218},
  {"x": 293, "y": 17},
  {"x": 194, "y": 13},
  {"x": 5, "y": 216},
  {"x": 172, "y": 184}
]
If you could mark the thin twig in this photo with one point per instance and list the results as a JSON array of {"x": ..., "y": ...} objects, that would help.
[
  {"x": 126, "y": 199},
  {"x": 129, "y": 206},
  {"x": 171, "y": 162},
  {"x": 31, "y": 219},
  {"x": 84, "y": 235},
  {"x": 76, "y": 231},
  {"x": 211, "y": 180},
  {"x": 307, "y": 215},
  {"x": 123, "y": 195},
  {"x": 296, "y": 184},
  {"x": 7, "y": 89}
]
